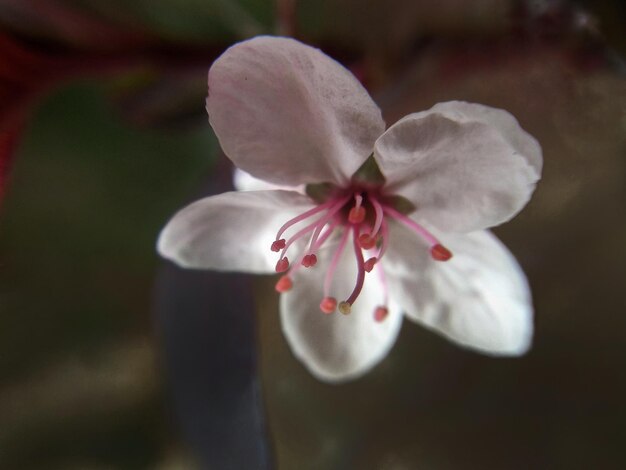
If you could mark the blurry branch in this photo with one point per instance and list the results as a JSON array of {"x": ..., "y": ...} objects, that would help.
[
  {"x": 28, "y": 71},
  {"x": 58, "y": 20},
  {"x": 239, "y": 20},
  {"x": 8, "y": 141},
  {"x": 286, "y": 18},
  {"x": 52, "y": 42}
]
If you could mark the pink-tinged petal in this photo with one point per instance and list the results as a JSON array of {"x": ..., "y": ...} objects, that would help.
[
  {"x": 465, "y": 166},
  {"x": 230, "y": 232},
  {"x": 243, "y": 181},
  {"x": 336, "y": 347},
  {"x": 288, "y": 114},
  {"x": 524, "y": 144},
  {"x": 479, "y": 299}
]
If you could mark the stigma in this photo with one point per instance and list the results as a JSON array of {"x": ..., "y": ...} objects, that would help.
[{"x": 360, "y": 218}]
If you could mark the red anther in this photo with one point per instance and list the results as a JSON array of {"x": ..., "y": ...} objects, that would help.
[
  {"x": 380, "y": 314},
  {"x": 283, "y": 284},
  {"x": 366, "y": 242},
  {"x": 440, "y": 253},
  {"x": 278, "y": 245},
  {"x": 369, "y": 264},
  {"x": 328, "y": 305},
  {"x": 282, "y": 265},
  {"x": 309, "y": 261},
  {"x": 356, "y": 215}
]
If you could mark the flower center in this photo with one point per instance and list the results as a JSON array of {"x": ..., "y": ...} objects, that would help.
[{"x": 360, "y": 215}]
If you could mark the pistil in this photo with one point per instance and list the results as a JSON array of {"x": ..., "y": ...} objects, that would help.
[{"x": 357, "y": 213}]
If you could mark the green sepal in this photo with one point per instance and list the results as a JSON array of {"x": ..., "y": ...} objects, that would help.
[
  {"x": 401, "y": 204},
  {"x": 319, "y": 192},
  {"x": 369, "y": 174}
]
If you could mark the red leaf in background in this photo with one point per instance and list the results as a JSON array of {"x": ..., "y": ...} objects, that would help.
[
  {"x": 29, "y": 69},
  {"x": 61, "y": 23}
]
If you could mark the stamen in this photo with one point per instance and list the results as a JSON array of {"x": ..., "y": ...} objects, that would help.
[
  {"x": 309, "y": 261},
  {"x": 319, "y": 222},
  {"x": 314, "y": 238},
  {"x": 366, "y": 241},
  {"x": 369, "y": 264},
  {"x": 328, "y": 305},
  {"x": 369, "y": 240},
  {"x": 381, "y": 313},
  {"x": 440, "y": 253},
  {"x": 360, "y": 276},
  {"x": 345, "y": 307},
  {"x": 357, "y": 213},
  {"x": 278, "y": 245},
  {"x": 320, "y": 241},
  {"x": 437, "y": 250},
  {"x": 306, "y": 215},
  {"x": 282, "y": 265},
  {"x": 334, "y": 262},
  {"x": 284, "y": 284}
]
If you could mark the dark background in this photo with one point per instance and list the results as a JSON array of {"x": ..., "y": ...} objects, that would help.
[{"x": 103, "y": 136}]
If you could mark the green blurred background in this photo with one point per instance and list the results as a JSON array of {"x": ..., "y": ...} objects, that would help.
[{"x": 115, "y": 142}]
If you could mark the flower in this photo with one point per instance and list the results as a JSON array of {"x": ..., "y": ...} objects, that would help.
[{"x": 374, "y": 223}]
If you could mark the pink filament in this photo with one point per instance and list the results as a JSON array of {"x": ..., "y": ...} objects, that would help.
[
  {"x": 307, "y": 214},
  {"x": 425, "y": 234},
  {"x": 321, "y": 221},
  {"x": 334, "y": 262},
  {"x": 316, "y": 234},
  {"x": 320, "y": 241},
  {"x": 360, "y": 277}
]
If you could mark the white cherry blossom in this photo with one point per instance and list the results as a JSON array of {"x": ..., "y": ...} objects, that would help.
[{"x": 376, "y": 224}]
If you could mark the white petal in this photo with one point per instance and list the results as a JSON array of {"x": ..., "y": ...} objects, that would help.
[
  {"x": 244, "y": 181},
  {"x": 230, "y": 232},
  {"x": 479, "y": 298},
  {"x": 465, "y": 166},
  {"x": 337, "y": 347},
  {"x": 288, "y": 114},
  {"x": 506, "y": 124}
]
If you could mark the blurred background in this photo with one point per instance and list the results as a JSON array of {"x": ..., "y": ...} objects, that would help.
[{"x": 110, "y": 358}]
